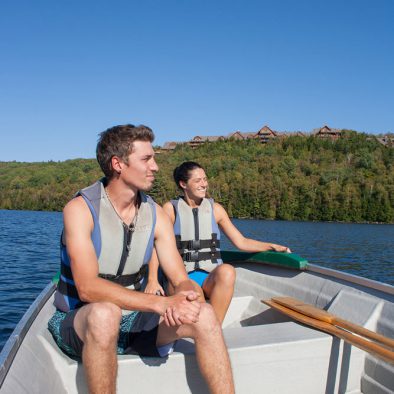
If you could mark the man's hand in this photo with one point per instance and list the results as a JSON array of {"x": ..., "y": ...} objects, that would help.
[{"x": 183, "y": 308}]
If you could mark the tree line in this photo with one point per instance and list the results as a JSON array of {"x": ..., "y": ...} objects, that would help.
[{"x": 295, "y": 178}]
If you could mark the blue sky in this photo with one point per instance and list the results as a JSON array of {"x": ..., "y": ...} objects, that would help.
[{"x": 70, "y": 69}]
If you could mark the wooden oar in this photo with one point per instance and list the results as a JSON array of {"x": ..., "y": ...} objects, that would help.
[
  {"x": 368, "y": 346},
  {"x": 320, "y": 314}
]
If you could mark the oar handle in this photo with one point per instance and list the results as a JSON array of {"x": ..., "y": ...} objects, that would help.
[{"x": 365, "y": 332}]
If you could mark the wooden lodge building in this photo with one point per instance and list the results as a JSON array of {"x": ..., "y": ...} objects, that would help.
[
  {"x": 387, "y": 140},
  {"x": 265, "y": 135},
  {"x": 326, "y": 132},
  {"x": 198, "y": 140}
]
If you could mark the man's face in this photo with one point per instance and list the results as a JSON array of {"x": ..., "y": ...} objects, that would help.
[{"x": 139, "y": 173}]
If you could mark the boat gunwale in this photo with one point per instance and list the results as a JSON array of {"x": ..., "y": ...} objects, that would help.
[
  {"x": 15, "y": 340},
  {"x": 304, "y": 265},
  {"x": 356, "y": 279}
]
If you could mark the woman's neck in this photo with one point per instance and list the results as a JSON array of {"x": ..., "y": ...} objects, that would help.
[{"x": 192, "y": 202}]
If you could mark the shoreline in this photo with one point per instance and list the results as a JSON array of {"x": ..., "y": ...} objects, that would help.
[{"x": 241, "y": 218}]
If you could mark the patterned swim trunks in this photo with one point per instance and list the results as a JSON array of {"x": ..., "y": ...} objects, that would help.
[{"x": 137, "y": 334}]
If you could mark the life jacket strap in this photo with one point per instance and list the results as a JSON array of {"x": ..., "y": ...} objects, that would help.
[
  {"x": 127, "y": 280},
  {"x": 65, "y": 270},
  {"x": 123, "y": 280},
  {"x": 67, "y": 289},
  {"x": 198, "y": 256},
  {"x": 197, "y": 244}
]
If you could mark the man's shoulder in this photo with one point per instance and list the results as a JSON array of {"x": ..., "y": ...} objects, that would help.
[
  {"x": 169, "y": 208},
  {"x": 167, "y": 205},
  {"x": 76, "y": 204},
  {"x": 76, "y": 215},
  {"x": 163, "y": 215},
  {"x": 92, "y": 192}
]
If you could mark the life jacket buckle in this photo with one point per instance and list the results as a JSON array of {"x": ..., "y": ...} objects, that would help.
[
  {"x": 193, "y": 255},
  {"x": 195, "y": 244}
]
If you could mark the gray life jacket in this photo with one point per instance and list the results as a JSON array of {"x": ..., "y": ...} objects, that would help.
[
  {"x": 122, "y": 251},
  {"x": 197, "y": 235}
]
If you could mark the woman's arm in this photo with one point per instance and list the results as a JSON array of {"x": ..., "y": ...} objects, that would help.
[
  {"x": 236, "y": 237},
  {"x": 153, "y": 286}
]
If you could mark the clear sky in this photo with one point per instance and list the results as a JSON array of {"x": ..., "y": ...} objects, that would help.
[{"x": 70, "y": 69}]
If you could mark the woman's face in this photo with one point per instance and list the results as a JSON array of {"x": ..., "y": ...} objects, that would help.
[{"x": 197, "y": 184}]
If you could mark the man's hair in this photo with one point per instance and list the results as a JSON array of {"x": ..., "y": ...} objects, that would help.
[
  {"x": 181, "y": 173},
  {"x": 118, "y": 141}
]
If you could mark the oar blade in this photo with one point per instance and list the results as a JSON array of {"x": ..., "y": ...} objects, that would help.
[
  {"x": 305, "y": 309},
  {"x": 322, "y": 315},
  {"x": 368, "y": 346}
]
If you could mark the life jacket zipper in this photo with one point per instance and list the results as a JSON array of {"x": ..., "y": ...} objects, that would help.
[
  {"x": 196, "y": 225},
  {"x": 196, "y": 233}
]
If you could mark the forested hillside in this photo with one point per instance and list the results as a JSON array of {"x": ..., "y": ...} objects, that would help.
[{"x": 296, "y": 178}]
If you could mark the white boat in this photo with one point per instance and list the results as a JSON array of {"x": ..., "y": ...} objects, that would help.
[{"x": 270, "y": 353}]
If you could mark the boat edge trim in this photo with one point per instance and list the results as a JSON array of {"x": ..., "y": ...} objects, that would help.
[{"x": 13, "y": 343}]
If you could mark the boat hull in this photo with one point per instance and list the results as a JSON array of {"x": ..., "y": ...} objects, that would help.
[{"x": 268, "y": 351}]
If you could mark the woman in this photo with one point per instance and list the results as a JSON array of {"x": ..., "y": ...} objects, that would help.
[{"x": 197, "y": 220}]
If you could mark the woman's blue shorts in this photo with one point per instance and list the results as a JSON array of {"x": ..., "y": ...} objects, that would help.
[{"x": 198, "y": 276}]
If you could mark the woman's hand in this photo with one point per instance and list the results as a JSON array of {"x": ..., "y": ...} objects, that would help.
[
  {"x": 153, "y": 287},
  {"x": 280, "y": 248}
]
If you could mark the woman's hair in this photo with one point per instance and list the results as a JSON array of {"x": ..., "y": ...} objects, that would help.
[{"x": 181, "y": 173}]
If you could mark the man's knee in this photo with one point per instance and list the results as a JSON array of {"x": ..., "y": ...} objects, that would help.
[
  {"x": 102, "y": 322},
  {"x": 208, "y": 322}
]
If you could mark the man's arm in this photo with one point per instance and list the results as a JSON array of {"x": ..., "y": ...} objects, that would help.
[
  {"x": 236, "y": 237},
  {"x": 170, "y": 260},
  {"x": 78, "y": 225},
  {"x": 172, "y": 265}
]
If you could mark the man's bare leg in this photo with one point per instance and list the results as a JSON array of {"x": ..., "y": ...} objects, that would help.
[
  {"x": 219, "y": 288},
  {"x": 97, "y": 325},
  {"x": 211, "y": 352}
]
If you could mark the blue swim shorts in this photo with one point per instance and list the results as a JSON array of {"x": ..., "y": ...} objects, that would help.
[{"x": 198, "y": 276}]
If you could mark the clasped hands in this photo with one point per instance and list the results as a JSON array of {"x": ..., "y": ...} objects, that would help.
[{"x": 183, "y": 308}]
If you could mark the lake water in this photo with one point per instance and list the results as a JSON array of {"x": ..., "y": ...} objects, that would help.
[{"x": 29, "y": 253}]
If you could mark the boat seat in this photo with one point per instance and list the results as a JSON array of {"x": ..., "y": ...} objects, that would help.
[{"x": 257, "y": 349}]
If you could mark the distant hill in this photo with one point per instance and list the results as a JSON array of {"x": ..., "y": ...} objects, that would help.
[{"x": 297, "y": 178}]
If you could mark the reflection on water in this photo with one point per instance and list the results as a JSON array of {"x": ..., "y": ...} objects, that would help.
[{"x": 29, "y": 245}]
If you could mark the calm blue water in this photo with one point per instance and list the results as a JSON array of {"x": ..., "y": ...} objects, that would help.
[{"x": 29, "y": 253}]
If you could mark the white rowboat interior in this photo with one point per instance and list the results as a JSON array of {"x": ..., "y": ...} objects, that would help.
[{"x": 269, "y": 352}]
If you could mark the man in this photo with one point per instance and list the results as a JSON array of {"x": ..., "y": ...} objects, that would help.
[{"x": 109, "y": 231}]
